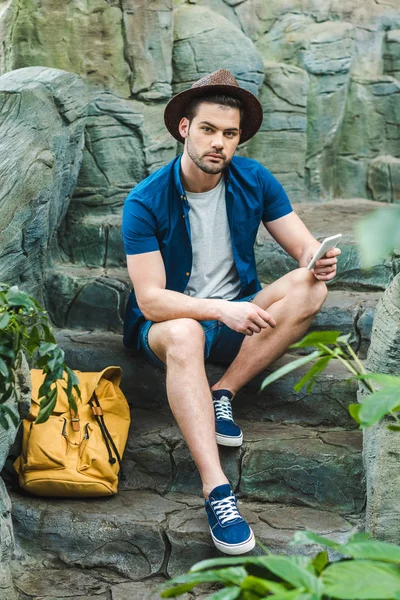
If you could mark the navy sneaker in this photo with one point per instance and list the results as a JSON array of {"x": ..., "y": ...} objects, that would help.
[
  {"x": 229, "y": 531},
  {"x": 226, "y": 430}
]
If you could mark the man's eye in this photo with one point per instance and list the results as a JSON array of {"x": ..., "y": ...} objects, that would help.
[{"x": 206, "y": 128}]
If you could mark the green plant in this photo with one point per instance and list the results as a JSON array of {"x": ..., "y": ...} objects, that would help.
[
  {"x": 371, "y": 570},
  {"x": 378, "y": 235},
  {"x": 332, "y": 345},
  {"x": 25, "y": 328}
]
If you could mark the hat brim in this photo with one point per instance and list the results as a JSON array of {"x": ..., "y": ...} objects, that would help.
[{"x": 252, "y": 109}]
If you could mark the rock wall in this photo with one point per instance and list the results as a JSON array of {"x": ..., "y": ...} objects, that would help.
[
  {"x": 41, "y": 138},
  {"x": 326, "y": 72}
]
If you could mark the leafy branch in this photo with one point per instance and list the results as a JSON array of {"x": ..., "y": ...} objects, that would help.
[
  {"x": 25, "y": 329},
  {"x": 332, "y": 345},
  {"x": 370, "y": 571}
]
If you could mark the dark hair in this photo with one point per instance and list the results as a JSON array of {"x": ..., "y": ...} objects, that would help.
[{"x": 191, "y": 109}]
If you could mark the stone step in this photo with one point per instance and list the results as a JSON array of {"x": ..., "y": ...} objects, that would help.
[
  {"x": 277, "y": 463},
  {"x": 140, "y": 534},
  {"x": 144, "y": 385},
  {"x": 323, "y": 220},
  {"x": 79, "y": 297}
]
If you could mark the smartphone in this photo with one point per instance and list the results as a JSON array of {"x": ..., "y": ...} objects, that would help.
[{"x": 327, "y": 244}]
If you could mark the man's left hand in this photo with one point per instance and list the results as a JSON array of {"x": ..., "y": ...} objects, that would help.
[{"x": 325, "y": 267}]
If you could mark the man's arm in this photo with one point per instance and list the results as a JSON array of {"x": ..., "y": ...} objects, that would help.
[
  {"x": 294, "y": 237},
  {"x": 147, "y": 274}
]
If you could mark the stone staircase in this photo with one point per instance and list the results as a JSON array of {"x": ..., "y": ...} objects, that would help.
[{"x": 300, "y": 466}]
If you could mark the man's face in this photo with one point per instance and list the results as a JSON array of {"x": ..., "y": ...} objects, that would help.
[{"x": 212, "y": 136}]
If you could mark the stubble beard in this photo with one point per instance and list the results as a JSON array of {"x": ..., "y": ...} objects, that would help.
[{"x": 200, "y": 162}]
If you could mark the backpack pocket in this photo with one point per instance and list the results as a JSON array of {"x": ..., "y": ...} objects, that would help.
[
  {"x": 46, "y": 446},
  {"x": 94, "y": 457}
]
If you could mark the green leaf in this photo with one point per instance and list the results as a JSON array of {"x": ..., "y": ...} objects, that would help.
[
  {"x": 295, "y": 364},
  {"x": 354, "y": 410},
  {"x": 47, "y": 406},
  {"x": 292, "y": 595},
  {"x": 223, "y": 562},
  {"x": 229, "y": 593},
  {"x": 262, "y": 586},
  {"x": 14, "y": 418},
  {"x": 344, "y": 339},
  {"x": 46, "y": 348},
  {"x": 48, "y": 381},
  {"x": 372, "y": 550},
  {"x": 231, "y": 575},
  {"x": 360, "y": 536},
  {"x": 34, "y": 340},
  {"x": 318, "y": 337},
  {"x": 315, "y": 370},
  {"x": 3, "y": 422},
  {"x": 378, "y": 235},
  {"x": 177, "y": 590},
  {"x": 308, "y": 537},
  {"x": 7, "y": 394},
  {"x": 361, "y": 580},
  {"x": 3, "y": 368},
  {"x": 7, "y": 351},
  {"x": 15, "y": 297},
  {"x": 48, "y": 334},
  {"x": 292, "y": 569},
  {"x": 393, "y": 427},
  {"x": 320, "y": 561},
  {"x": 4, "y": 320},
  {"x": 378, "y": 404}
]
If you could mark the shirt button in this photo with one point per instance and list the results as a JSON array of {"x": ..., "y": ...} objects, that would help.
[{"x": 187, "y": 274}]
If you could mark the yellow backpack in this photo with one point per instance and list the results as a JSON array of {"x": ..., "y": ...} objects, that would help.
[{"x": 76, "y": 454}]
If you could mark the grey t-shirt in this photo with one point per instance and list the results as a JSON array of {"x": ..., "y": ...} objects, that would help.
[{"x": 214, "y": 273}]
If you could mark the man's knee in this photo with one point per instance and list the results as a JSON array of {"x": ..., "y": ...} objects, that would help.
[
  {"x": 309, "y": 291},
  {"x": 183, "y": 338}
]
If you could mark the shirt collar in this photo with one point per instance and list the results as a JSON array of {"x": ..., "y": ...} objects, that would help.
[{"x": 178, "y": 182}]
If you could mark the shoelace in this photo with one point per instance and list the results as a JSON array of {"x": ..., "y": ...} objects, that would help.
[
  {"x": 226, "y": 510},
  {"x": 223, "y": 408}
]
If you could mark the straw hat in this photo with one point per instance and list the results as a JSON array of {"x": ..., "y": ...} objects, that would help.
[{"x": 219, "y": 82}]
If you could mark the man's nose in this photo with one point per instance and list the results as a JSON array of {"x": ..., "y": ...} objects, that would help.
[{"x": 218, "y": 140}]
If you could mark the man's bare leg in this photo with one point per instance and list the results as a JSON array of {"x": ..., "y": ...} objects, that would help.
[
  {"x": 180, "y": 345},
  {"x": 293, "y": 301}
]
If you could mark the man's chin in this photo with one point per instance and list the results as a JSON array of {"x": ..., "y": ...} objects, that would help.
[{"x": 211, "y": 169}]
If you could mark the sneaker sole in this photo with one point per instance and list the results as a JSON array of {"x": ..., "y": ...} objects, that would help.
[
  {"x": 235, "y": 549},
  {"x": 226, "y": 440}
]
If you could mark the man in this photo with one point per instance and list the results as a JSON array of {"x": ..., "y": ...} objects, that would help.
[{"x": 189, "y": 231}]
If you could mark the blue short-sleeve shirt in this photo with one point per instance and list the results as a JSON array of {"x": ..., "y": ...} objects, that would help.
[{"x": 155, "y": 218}]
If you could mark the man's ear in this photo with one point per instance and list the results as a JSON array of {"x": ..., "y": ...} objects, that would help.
[{"x": 183, "y": 127}]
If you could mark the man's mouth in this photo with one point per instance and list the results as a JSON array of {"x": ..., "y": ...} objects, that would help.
[{"x": 215, "y": 156}]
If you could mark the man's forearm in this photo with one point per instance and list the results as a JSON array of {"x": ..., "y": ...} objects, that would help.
[{"x": 164, "y": 305}]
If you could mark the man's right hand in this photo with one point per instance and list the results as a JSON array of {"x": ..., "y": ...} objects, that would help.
[{"x": 245, "y": 317}]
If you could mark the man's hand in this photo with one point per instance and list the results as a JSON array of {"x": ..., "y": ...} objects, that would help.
[
  {"x": 325, "y": 267},
  {"x": 245, "y": 317}
]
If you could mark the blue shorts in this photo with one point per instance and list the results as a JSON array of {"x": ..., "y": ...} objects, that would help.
[{"x": 221, "y": 343}]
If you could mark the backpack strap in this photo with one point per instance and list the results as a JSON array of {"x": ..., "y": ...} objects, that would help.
[
  {"x": 98, "y": 415},
  {"x": 75, "y": 420}
]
